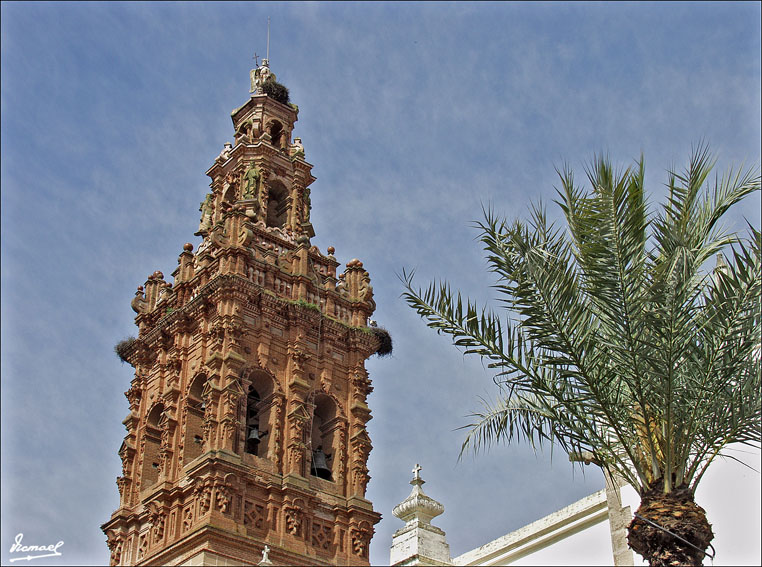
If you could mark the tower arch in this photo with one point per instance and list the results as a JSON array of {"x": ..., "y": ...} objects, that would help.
[
  {"x": 278, "y": 201},
  {"x": 193, "y": 443},
  {"x": 150, "y": 447},
  {"x": 259, "y": 419}
]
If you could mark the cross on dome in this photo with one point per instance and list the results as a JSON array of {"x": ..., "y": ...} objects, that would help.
[{"x": 418, "y": 507}]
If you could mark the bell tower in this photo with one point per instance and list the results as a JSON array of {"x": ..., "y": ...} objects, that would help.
[{"x": 247, "y": 410}]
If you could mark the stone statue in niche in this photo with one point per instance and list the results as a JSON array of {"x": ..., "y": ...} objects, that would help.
[
  {"x": 207, "y": 209},
  {"x": 251, "y": 180}
]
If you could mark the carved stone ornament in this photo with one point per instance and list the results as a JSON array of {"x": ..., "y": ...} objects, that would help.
[
  {"x": 227, "y": 147},
  {"x": 207, "y": 210},
  {"x": 187, "y": 518},
  {"x": 203, "y": 495},
  {"x": 134, "y": 395},
  {"x": 157, "y": 519},
  {"x": 228, "y": 429},
  {"x": 299, "y": 357},
  {"x": 139, "y": 303},
  {"x": 342, "y": 448},
  {"x": 322, "y": 535},
  {"x": 122, "y": 483},
  {"x": 361, "y": 536},
  {"x": 294, "y": 518},
  {"x": 255, "y": 515},
  {"x": 115, "y": 544},
  {"x": 222, "y": 496},
  {"x": 142, "y": 546}
]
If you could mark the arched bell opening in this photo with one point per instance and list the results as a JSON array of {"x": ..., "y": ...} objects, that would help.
[
  {"x": 323, "y": 453},
  {"x": 229, "y": 197},
  {"x": 275, "y": 129},
  {"x": 258, "y": 417},
  {"x": 277, "y": 205},
  {"x": 152, "y": 437},
  {"x": 195, "y": 407}
]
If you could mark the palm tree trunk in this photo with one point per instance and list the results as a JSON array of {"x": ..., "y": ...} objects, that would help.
[{"x": 678, "y": 513}]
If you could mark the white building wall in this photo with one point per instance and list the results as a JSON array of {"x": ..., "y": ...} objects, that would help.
[{"x": 588, "y": 547}]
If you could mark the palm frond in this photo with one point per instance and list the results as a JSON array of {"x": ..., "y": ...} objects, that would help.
[{"x": 618, "y": 339}]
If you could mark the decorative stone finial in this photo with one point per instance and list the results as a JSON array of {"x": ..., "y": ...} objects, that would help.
[
  {"x": 418, "y": 542},
  {"x": 418, "y": 508},
  {"x": 188, "y": 247}
]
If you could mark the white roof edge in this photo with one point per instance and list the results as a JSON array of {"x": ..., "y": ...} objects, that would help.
[{"x": 566, "y": 522}]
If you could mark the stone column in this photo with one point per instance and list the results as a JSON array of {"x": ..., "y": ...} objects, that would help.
[{"x": 619, "y": 518}]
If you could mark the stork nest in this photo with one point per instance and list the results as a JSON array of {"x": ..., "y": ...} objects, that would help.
[
  {"x": 123, "y": 348},
  {"x": 275, "y": 90},
  {"x": 384, "y": 340}
]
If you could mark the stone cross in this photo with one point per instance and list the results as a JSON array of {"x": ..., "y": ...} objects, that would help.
[
  {"x": 416, "y": 471},
  {"x": 265, "y": 557}
]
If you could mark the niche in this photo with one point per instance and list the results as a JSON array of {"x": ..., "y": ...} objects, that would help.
[
  {"x": 275, "y": 130},
  {"x": 194, "y": 436},
  {"x": 258, "y": 426},
  {"x": 323, "y": 457},
  {"x": 277, "y": 205},
  {"x": 152, "y": 435}
]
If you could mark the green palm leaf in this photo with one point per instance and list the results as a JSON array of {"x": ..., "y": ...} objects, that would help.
[{"x": 620, "y": 337}]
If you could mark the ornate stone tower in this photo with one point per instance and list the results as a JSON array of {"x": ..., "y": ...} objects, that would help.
[{"x": 248, "y": 406}]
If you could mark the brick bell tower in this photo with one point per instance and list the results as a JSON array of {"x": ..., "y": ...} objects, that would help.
[{"x": 246, "y": 433}]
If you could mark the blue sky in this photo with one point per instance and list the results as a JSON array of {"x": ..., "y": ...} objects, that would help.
[{"x": 413, "y": 114}]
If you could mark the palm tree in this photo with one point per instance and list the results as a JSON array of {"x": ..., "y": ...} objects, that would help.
[{"x": 620, "y": 343}]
